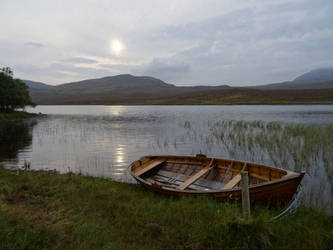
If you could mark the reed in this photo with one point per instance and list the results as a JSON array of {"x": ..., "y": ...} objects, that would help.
[{"x": 292, "y": 146}]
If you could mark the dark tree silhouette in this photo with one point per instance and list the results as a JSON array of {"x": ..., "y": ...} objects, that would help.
[
  {"x": 6, "y": 70},
  {"x": 14, "y": 93}
]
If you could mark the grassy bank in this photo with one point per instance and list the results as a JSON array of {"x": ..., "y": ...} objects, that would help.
[
  {"x": 48, "y": 210},
  {"x": 17, "y": 115}
]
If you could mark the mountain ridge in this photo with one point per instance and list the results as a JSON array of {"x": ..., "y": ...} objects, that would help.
[
  {"x": 316, "y": 75},
  {"x": 126, "y": 88},
  {"x": 315, "y": 79},
  {"x": 306, "y": 80}
]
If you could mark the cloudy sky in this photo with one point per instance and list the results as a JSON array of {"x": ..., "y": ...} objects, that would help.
[{"x": 184, "y": 42}]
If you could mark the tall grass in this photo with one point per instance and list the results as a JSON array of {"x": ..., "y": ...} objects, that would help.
[
  {"x": 292, "y": 146},
  {"x": 48, "y": 210}
]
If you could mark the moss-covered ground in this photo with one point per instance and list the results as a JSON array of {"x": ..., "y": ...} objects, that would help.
[{"x": 40, "y": 210}]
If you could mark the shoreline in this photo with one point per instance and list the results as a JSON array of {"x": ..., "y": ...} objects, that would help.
[
  {"x": 19, "y": 115},
  {"x": 195, "y": 104}
]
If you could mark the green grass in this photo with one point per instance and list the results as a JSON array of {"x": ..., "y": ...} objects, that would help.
[
  {"x": 41, "y": 210},
  {"x": 16, "y": 115}
]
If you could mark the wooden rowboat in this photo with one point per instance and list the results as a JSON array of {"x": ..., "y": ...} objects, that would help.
[{"x": 199, "y": 175}]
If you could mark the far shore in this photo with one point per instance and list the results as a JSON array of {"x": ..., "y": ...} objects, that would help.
[
  {"x": 275, "y": 103},
  {"x": 17, "y": 115}
]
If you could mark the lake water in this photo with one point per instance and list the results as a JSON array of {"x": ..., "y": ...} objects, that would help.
[{"x": 103, "y": 140}]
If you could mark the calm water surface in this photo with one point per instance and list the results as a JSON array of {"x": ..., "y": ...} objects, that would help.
[{"x": 104, "y": 140}]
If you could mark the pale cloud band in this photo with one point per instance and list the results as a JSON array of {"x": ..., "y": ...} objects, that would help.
[
  {"x": 34, "y": 44},
  {"x": 182, "y": 42}
]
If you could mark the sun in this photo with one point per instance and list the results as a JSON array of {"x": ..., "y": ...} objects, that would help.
[{"x": 116, "y": 47}]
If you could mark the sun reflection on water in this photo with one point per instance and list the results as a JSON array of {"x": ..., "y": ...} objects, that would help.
[
  {"x": 120, "y": 155},
  {"x": 116, "y": 110}
]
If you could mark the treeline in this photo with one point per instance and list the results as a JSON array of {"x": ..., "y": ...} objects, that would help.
[{"x": 14, "y": 94}]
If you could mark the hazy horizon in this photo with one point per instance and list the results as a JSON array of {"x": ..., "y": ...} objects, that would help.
[
  {"x": 178, "y": 85},
  {"x": 184, "y": 43}
]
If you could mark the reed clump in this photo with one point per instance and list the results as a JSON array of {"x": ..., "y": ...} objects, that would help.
[{"x": 290, "y": 146}]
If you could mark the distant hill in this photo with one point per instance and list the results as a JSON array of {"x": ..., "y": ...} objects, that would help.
[
  {"x": 317, "y": 75},
  {"x": 129, "y": 89},
  {"x": 124, "y": 88},
  {"x": 119, "y": 83},
  {"x": 39, "y": 85},
  {"x": 297, "y": 85},
  {"x": 315, "y": 79}
]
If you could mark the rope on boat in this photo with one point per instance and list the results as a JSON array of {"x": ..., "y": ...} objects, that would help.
[{"x": 294, "y": 204}]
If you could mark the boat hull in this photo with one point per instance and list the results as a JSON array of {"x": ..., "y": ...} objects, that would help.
[{"x": 274, "y": 192}]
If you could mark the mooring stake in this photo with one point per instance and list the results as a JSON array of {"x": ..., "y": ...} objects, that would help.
[{"x": 245, "y": 195}]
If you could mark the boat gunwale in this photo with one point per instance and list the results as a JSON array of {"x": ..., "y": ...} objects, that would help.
[{"x": 289, "y": 176}]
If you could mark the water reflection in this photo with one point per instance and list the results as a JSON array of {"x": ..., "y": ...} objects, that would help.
[
  {"x": 119, "y": 155},
  {"x": 116, "y": 110},
  {"x": 15, "y": 139}
]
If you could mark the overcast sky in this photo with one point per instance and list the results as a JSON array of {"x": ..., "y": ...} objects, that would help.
[{"x": 184, "y": 42}]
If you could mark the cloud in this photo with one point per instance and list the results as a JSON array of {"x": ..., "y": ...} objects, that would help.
[
  {"x": 184, "y": 42},
  {"x": 251, "y": 45},
  {"x": 34, "y": 44},
  {"x": 117, "y": 68},
  {"x": 80, "y": 72},
  {"x": 80, "y": 60},
  {"x": 40, "y": 73},
  {"x": 166, "y": 69},
  {"x": 59, "y": 72}
]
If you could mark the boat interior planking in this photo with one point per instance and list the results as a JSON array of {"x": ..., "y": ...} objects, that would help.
[{"x": 196, "y": 175}]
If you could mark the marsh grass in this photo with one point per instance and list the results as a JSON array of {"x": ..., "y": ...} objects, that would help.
[
  {"x": 290, "y": 146},
  {"x": 41, "y": 210}
]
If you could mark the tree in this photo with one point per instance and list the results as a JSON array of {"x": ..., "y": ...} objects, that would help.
[
  {"x": 14, "y": 93},
  {"x": 7, "y": 71}
]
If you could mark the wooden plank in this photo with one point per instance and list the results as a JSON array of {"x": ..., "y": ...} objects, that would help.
[
  {"x": 260, "y": 177},
  {"x": 182, "y": 178},
  {"x": 233, "y": 182},
  {"x": 142, "y": 164},
  {"x": 185, "y": 162},
  {"x": 195, "y": 177},
  {"x": 226, "y": 171},
  {"x": 167, "y": 174},
  {"x": 148, "y": 166},
  {"x": 230, "y": 169}
]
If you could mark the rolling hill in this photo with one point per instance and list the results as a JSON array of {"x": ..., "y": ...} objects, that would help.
[
  {"x": 317, "y": 75},
  {"x": 37, "y": 85},
  {"x": 313, "y": 87},
  {"x": 315, "y": 79}
]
